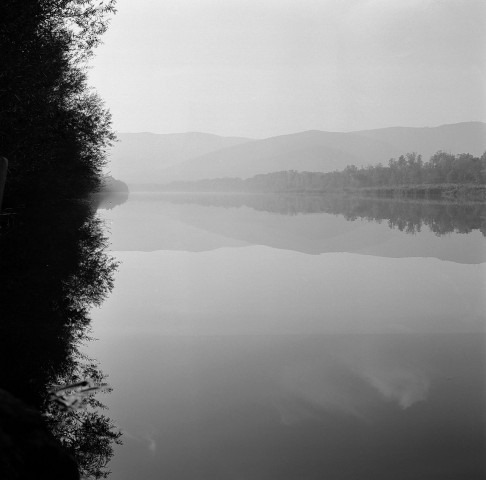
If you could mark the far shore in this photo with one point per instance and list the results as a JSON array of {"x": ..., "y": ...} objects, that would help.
[
  {"x": 448, "y": 191},
  {"x": 444, "y": 192}
]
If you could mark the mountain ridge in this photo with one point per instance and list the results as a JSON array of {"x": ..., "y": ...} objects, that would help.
[
  {"x": 144, "y": 154},
  {"x": 195, "y": 155}
]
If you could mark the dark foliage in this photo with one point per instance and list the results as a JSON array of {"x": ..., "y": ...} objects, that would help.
[
  {"x": 54, "y": 129},
  {"x": 409, "y": 169},
  {"x": 113, "y": 192},
  {"x": 27, "y": 449},
  {"x": 53, "y": 269}
]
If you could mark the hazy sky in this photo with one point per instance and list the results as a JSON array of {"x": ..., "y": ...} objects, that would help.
[{"x": 266, "y": 67}]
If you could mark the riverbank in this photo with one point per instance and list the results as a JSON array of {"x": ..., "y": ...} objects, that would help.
[
  {"x": 449, "y": 191},
  {"x": 456, "y": 192}
]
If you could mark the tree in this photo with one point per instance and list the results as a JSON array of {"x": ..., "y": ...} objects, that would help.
[{"x": 54, "y": 128}]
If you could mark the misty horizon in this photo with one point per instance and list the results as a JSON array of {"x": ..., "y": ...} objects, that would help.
[
  {"x": 160, "y": 158},
  {"x": 303, "y": 131}
]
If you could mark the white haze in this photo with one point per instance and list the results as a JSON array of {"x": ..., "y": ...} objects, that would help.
[{"x": 262, "y": 68}]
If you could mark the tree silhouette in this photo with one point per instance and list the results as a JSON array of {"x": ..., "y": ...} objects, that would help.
[
  {"x": 53, "y": 269},
  {"x": 54, "y": 128}
]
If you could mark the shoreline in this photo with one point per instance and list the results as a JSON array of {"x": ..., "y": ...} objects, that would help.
[
  {"x": 439, "y": 192},
  {"x": 456, "y": 192}
]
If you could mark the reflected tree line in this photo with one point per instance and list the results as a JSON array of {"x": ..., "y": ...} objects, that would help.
[
  {"x": 53, "y": 270},
  {"x": 410, "y": 216}
]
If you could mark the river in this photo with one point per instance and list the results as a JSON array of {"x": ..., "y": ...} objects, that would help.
[{"x": 295, "y": 338}]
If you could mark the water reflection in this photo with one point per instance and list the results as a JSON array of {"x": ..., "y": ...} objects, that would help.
[
  {"x": 307, "y": 224},
  {"x": 409, "y": 216},
  {"x": 290, "y": 407},
  {"x": 53, "y": 269},
  {"x": 295, "y": 345}
]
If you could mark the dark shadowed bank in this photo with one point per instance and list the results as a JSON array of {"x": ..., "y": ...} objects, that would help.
[{"x": 53, "y": 269}]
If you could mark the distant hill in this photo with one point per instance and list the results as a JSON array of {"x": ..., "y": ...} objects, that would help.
[
  {"x": 149, "y": 158},
  {"x": 138, "y": 157},
  {"x": 466, "y": 137},
  {"x": 317, "y": 151}
]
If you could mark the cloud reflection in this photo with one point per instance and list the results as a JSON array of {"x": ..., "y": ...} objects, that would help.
[
  {"x": 350, "y": 382},
  {"x": 406, "y": 387}
]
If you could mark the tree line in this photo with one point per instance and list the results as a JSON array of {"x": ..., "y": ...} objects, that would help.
[{"x": 409, "y": 169}]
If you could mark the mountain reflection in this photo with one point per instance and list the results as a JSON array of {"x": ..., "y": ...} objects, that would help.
[
  {"x": 408, "y": 216},
  {"x": 53, "y": 270}
]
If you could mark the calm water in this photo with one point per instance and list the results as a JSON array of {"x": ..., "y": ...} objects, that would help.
[{"x": 276, "y": 338}]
